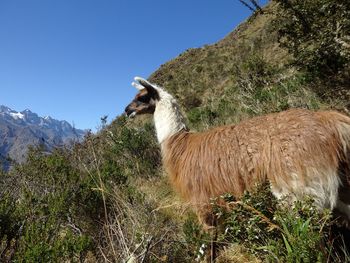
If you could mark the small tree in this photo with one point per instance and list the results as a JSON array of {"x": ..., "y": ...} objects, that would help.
[{"x": 316, "y": 33}]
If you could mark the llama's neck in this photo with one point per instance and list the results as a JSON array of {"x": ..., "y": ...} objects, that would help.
[{"x": 168, "y": 119}]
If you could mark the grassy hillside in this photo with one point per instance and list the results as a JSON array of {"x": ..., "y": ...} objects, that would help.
[
  {"x": 109, "y": 200},
  {"x": 245, "y": 74}
]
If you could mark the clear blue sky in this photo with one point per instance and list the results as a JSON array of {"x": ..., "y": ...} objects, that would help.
[{"x": 75, "y": 59}]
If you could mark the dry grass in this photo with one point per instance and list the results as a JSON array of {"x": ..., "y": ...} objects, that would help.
[{"x": 236, "y": 254}]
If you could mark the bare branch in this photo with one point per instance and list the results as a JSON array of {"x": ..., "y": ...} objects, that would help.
[
  {"x": 257, "y": 6},
  {"x": 247, "y": 5},
  {"x": 254, "y": 7}
]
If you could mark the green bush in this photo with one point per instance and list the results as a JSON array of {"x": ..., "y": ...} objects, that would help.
[
  {"x": 135, "y": 150},
  {"x": 40, "y": 215},
  {"x": 316, "y": 33},
  {"x": 199, "y": 116},
  {"x": 195, "y": 236},
  {"x": 275, "y": 232}
]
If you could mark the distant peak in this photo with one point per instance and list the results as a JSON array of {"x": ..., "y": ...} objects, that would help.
[
  {"x": 27, "y": 117},
  {"x": 4, "y": 108}
]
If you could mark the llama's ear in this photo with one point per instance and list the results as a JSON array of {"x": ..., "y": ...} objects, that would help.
[
  {"x": 138, "y": 86},
  {"x": 144, "y": 83}
]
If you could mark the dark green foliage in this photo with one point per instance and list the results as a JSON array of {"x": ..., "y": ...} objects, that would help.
[
  {"x": 202, "y": 115},
  {"x": 255, "y": 73},
  {"x": 42, "y": 243},
  {"x": 65, "y": 205},
  {"x": 39, "y": 218},
  {"x": 304, "y": 232},
  {"x": 133, "y": 148},
  {"x": 195, "y": 236},
  {"x": 276, "y": 233},
  {"x": 317, "y": 33},
  {"x": 250, "y": 221},
  {"x": 110, "y": 170}
]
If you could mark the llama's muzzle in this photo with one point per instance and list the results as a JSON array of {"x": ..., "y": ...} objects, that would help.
[{"x": 129, "y": 112}]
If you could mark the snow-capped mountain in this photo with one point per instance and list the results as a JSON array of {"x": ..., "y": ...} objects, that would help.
[{"x": 18, "y": 130}]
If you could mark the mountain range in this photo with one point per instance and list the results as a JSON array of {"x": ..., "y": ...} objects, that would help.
[{"x": 18, "y": 130}]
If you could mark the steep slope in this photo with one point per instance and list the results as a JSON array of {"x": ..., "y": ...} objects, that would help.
[
  {"x": 245, "y": 74},
  {"x": 199, "y": 71}
]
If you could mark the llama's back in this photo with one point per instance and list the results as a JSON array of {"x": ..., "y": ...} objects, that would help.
[{"x": 298, "y": 151}]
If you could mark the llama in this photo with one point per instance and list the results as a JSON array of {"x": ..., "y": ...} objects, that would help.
[{"x": 299, "y": 152}]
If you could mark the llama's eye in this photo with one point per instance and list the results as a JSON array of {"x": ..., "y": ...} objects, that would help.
[{"x": 144, "y": 99}]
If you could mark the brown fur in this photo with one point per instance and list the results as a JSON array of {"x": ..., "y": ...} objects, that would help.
[{"x": 288, "y": 149}]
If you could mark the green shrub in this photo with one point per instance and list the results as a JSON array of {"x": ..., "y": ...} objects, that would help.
[
  {"x": 199, "y": 116},
  {"x": 304, "y": 233},
  {"x": 273, "y": 232},
  {"x": 42, "y": 213},
  {"x": 48, "y": 241},
  {"x": 195, "y": 236},
  {"x": 316, "y": 33},
  {"x": 135, "y": 150}
]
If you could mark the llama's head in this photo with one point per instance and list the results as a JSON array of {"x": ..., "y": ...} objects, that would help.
[{"x": 144, "y": 101}]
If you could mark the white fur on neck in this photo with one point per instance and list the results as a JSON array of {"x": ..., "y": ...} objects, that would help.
[{"x": 168, "y": 119}]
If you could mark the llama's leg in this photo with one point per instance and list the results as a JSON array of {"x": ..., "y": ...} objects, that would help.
[
  {"x": 206, "y": 217},
  {"x": 213, "y": 245},
  {"x": 210, "y": 252},
  {"x": 343, "y": 208},
  {"x": 343, "y": 201},
  {"x": 209, "y": 222}
]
